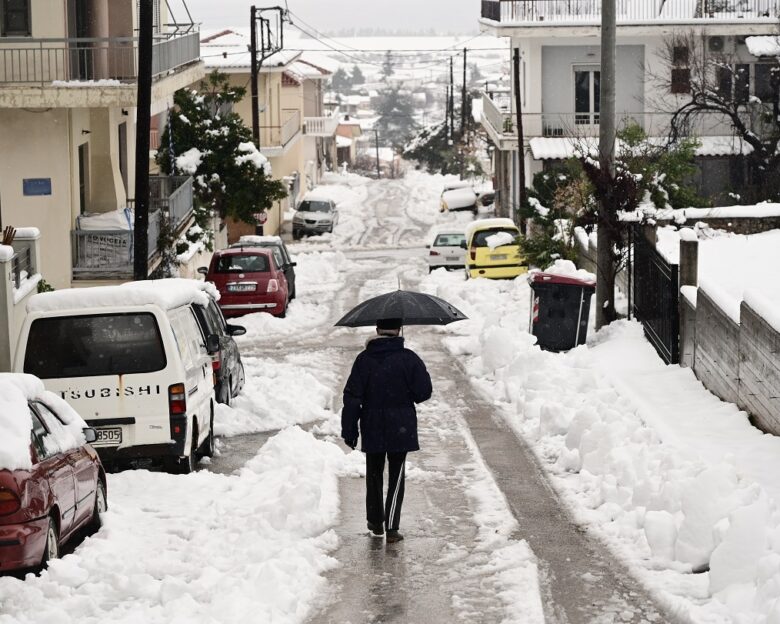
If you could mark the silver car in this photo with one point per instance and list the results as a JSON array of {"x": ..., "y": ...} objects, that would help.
[
  {"x": 315, "y": 215},
  {"x": 445, "y": 249}
]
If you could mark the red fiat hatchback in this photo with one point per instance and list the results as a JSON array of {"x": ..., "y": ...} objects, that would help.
[
  {"x": 52, "y": 483},
  {"x": 249, "y": 280}
]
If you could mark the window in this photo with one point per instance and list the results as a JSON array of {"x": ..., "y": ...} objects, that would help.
[
  {"x": 39, "y": 437},
  {"x": 765, "y": 81},
  {"x": 449, "y": 240},
  {"x": 314, "y": 206},
  {"x": 742, "y": 83},
  {"x": 587, "y": 102},
  {"x": 15, "y": 16},
  {"x": 480, "y": 238},
  {"x": 243, "y": 264},
  {"x": 58, "y": 438},
  {"x": 725, "y": 81},
  {"x": 87, "y": 346},
  {"x": 681, "y": 72}
]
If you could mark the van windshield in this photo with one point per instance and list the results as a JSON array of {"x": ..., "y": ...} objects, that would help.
[{"x": 88, "y": 346}]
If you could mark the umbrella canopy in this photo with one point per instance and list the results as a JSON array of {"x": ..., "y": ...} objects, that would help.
[{"x": 413, "y": 308}]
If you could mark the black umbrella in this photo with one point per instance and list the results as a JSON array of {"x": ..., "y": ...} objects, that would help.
[{"x": 413, "y": 308}]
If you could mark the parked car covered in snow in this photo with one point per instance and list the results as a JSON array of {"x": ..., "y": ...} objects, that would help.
[
  {"x": 283, "y": 257},
  {"x": 316, "y": 214},
  {"x": 493, "y": 249},
  {"x": 445, "y": 247},
  {"x": 459, "y": 198},
  {"x": 133, "y": 360},
  {"x": 52, "y": 483},
  {"x": 249, "y": 280}
]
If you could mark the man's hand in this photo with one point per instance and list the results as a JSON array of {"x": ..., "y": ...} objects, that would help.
[{"x": 351, "y": 443}]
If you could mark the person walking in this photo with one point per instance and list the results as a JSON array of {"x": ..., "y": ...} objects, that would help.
[{"x": 386, "y": 382}]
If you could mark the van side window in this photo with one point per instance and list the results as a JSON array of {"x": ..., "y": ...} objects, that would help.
[{"x": 91, "y": 345}]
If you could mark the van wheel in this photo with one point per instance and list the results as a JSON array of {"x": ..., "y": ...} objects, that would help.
[
  {"x": 100, "y": 508},
  {"x": 188, "y": 465},
  {"x": 52, "y": 549},
  {"x": 209, "y": 445}
]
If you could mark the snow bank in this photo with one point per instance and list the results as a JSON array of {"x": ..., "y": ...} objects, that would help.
[
  {"x": 16, "y": 424},
  {"x": 251, "y": 547},
  {"x": 672, "y": 478},
  {"x": 167, "y": 294}
]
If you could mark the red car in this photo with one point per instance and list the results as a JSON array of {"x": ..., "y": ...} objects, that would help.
[
  {"x": 52, "y": 483},
  {"x": 249, "y": 280}
]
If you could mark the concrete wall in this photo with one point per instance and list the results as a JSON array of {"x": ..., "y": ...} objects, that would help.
[
  {"x": 759, "y": 370},
  {"x": 716, "y": 359}
]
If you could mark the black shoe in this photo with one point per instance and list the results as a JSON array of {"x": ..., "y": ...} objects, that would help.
[
  {"x": 376, "y": 529},
  {"x": 393, "y": 536}
]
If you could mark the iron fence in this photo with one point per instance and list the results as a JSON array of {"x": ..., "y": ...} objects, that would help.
[
  {"x": 589, "y": 11},
  {"x": 90, "y": 59},
  {"x": 656, "y": 294},
  {"x": 22, "y": 266}
]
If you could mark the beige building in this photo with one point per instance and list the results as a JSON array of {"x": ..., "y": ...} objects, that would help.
[
  {"x": 296, "y": 134},
  {"x": 68, "y": 74}
]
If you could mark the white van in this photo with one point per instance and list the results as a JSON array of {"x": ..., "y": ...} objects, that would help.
[{"x": 133, "y": 362}]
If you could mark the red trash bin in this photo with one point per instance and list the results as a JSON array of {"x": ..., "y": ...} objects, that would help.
[{"x": 560, "y": 307}]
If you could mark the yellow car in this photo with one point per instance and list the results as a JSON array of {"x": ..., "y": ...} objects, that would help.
[{"x": 493, "y": 249}]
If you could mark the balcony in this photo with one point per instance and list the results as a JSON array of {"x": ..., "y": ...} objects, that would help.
[
  {"x": 629, "y": 12},
  {"x": 108, "y": 254},
  {"x": 320, "y": 126},
  {"x": 276, "y": 139},
  {"x": 37, "y": 68}
]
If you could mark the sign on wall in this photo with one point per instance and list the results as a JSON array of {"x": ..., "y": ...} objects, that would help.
[{"x": 36, "y": 186}]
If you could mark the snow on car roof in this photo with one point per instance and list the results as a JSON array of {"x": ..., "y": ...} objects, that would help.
[
  {"x": 16, "y": 424},
  {"x": 167, "y": 294},
  {"x": 316, "y": 196},
  {"x": 253, "y": 239},
  {"x": 450, "y": 228},
  {"x": 482, "y": 224}
]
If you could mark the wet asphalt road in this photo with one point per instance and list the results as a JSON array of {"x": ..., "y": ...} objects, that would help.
[{"x": 437, "y": 574}]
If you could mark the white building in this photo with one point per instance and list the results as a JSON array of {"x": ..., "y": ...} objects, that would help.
[
  {"x": 560, "y": 56},
  {"x": 68, "y": 76}
]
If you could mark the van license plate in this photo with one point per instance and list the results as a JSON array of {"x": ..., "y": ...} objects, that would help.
[
  {"x": 499, "y": 257},
  {"x": 108, "y": 437}
]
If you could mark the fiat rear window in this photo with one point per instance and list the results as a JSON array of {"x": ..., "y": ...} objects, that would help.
[
  {"x": 242, "y": 264},
  {"x": 480, "y": 238},
  {"x": 89, "y": 346}
]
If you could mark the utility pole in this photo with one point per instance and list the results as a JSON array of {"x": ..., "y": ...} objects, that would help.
[
  {"x": 143, "y": 122},
  {"x": 452, "y": 101},
  {"x": 464, "y": 95},
  {"x": 605, "y": 278},
  {"x": 254, "y": 75},
  {"x": 520, "y": 136},
  {"x": 376, "y": 138}
]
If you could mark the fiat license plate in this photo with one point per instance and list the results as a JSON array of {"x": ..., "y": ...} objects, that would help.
[
  {"x": 108, "y": 437},
  {"x": 242, "y": 287},
  {"x": 498, "y": 257}
]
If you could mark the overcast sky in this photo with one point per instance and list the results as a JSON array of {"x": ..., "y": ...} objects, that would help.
[{"x": 443, "y": 16}]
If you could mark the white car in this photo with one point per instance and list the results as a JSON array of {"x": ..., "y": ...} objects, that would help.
[
  {"x": 445, "y": 249},
  {"x": 459, "y": 198},
  {"x": 315, "y": 215}
]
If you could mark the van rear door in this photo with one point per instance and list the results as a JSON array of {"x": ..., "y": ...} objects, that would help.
[{"x": 111, "y": 367}]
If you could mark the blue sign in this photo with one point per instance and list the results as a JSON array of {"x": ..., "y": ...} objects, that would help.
[{"x": 36, "y": 186}]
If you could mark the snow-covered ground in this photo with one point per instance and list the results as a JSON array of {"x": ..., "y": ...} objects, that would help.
[{"x": 678, "y": 483}]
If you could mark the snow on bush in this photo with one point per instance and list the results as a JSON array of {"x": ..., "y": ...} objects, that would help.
[
  {"x": 674, "y": 479},
  {"x": 250, "y": 547},
  {"x": 189, "y": 161}
]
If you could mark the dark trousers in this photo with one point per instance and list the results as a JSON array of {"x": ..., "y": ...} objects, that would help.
[{"x": 390, "y": 511}]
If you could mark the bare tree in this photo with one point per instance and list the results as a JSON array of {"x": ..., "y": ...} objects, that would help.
[{"x": 711, "y": 84}]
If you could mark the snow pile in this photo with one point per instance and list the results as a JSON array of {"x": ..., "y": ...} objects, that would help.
[
  {"x": 566, "y": 268},
  {"x": 189, "y": 161},
  {"x": 202, "y": 548},
  {"x": 167, "y": 294},
  {"x": 6, "y": 253},
  {"x": 114, "y": 220},
  {"x": 499, "y": 239},
  {"x": 251, "y": 154},
  {"x": 674, "y": 479},
  {"x": 103, "y": 82},
  {"x": 16, "y": 424},
  {"x": 459, "y": 198},
  {"x": 767, "y": 45}
]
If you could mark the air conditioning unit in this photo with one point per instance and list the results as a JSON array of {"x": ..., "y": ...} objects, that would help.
[{"x": 716, "y": 44}]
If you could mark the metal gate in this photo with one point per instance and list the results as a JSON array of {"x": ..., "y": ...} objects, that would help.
[{"x": 656, "y": 293}]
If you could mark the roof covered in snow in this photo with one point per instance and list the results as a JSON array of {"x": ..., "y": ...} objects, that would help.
[
  {"x": 560, "y": 148},
  {"x": 228, "y": 49},
  {"x": 167, "y": 294}
]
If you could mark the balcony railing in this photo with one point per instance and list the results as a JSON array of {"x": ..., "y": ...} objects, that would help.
[
  {"x": 321, "y": 126},
  {"x": 41, "y": 62},
  {"x": 628, "y": 11},
  {"x": 279, "y": 136},
  {"x": 108, "y": 254}
]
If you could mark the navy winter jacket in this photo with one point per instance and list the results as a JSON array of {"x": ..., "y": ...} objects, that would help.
[{"x": 386, "y": 381}]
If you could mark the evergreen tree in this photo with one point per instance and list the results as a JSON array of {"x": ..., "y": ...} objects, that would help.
[
  {"x": 396, "y": 122},
  {"x": 357, "y": 76},
  {"x": 215, "y": 147},
  {"x": 341, "y": 82},
  {"x": 388, "y": 65}
]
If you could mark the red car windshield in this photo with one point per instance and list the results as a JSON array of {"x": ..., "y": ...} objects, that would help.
[{"x": 242, "y": 264}]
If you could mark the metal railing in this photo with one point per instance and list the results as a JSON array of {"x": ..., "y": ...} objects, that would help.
[
  {"x": 42, "y": 62},
  {"x": 589, "y": 11},
  {"x": 110, "y": 253},
  {"x": 279, "y": 136},
  {"x": 22, "y": 266}
]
